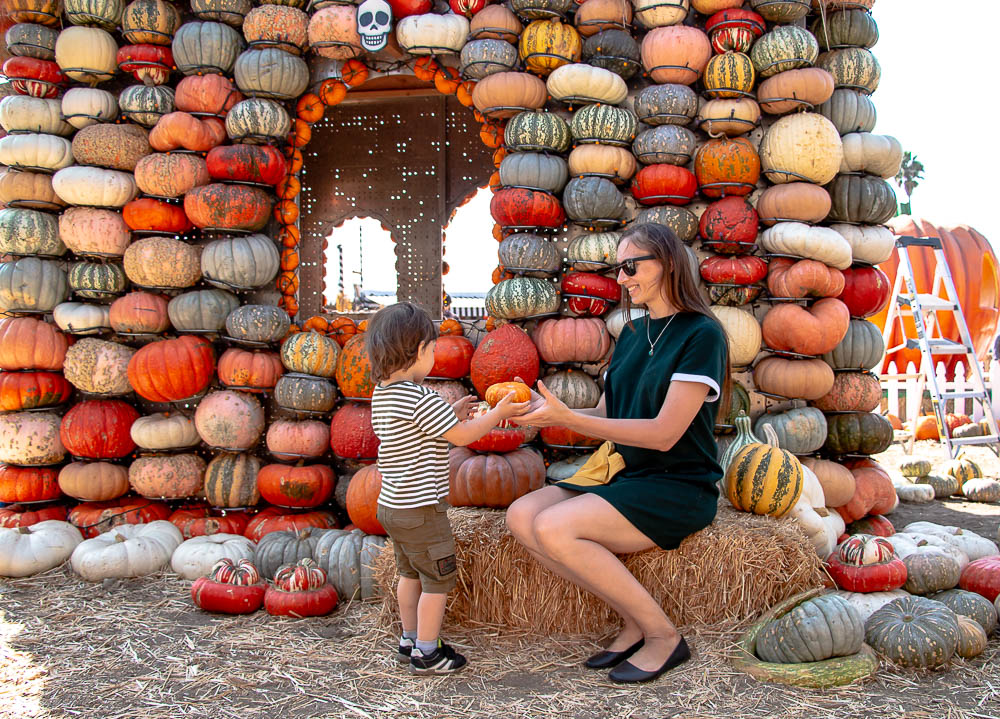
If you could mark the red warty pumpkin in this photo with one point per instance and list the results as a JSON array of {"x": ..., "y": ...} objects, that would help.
[
  {"x": 505, "y": 353},
  {"x": 235, "y": 207},
  {"x": 452, "y": 356},
  {"x": 93, "y": 518},
  {"x": 246, "y": 163},
  {"x": 171, "y": 370},
  {"x": 519, "y": 207},
  {"x": 28, "y": 484},
  {"x": 351, "y": 432},
  {"x": 18, "y": 515},
  {"x": 200, "y": 519},
  {"x": 729, "y": 226},
  {"x": 275, "y": 519},
  {"x": 664, "y": 184}
]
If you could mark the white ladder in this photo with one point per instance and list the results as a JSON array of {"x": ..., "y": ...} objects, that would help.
[{"x": 924, "y": 308}]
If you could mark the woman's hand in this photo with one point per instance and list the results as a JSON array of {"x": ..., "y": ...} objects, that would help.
[
  {"x": 462, "y": 406},
  {"x": 545, "y": 411}
]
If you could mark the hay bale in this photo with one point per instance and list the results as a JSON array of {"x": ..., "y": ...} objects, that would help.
[{"x": 731, "y": 571}]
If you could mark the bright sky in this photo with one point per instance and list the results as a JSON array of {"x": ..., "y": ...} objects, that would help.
[{"x": 932, "y": 97}]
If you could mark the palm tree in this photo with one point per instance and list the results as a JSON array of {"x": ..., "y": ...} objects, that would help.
[{"x": 911, "y": 172}]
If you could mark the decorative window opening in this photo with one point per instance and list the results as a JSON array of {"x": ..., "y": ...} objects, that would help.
[
  {"x": 468, "y": 262},
  {"x": 359, "y": 260}
]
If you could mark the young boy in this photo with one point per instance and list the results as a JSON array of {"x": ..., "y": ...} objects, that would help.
[{"x": 415, "y": 425}]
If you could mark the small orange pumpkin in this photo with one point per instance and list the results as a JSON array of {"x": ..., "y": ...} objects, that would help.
[
  {"x": 309, "y": 108},
  {"x": 496, "y": 392}
]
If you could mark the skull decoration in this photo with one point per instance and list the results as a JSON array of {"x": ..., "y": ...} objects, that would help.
[{"x": 374, "y": 24}]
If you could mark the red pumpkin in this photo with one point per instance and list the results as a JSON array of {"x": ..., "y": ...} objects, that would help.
[
  {"x": 954, "y": 421},
  {"x": 519, "y": 207},
  {"x": 28, "y": 484},
  {"x": 247, "y": 163},
  {"x": 729, "y": 226},
  {"x": 505, "y": 353},
  {"x": 866, "y": 291},
  {"x": 500, "y": 439},
  {"x": 566, "y": 437},
  {"x": 32, "y": 390},
  {"x": 452, "y": 356},
  {"x": 982, "y": 577},
  {"x": 148, "y": 214},
  {"x": 664, "y": 184},
  {"x": 275, "y": 519},
  {"x": 354, "y": 371},
  {"x": 231, "y": 207},
  {"x": 230, "y": 588},
  {"x": 733, "y": 269},
  {"x": 99, "y": 429},
  {"x": 31, "y": 76},
  {"x": 590, "y": 294},
  {"x": 149, "y": 64},
  {"x": 351, "y": 433},
  {"x": 93, "y": 518},
  {"x": 200, "y": 520},
  {"x": 875, "y": 525},
  {"x": 734, "y": 29},
  {"x": 405, "y": 8},
  {"x": 881, "y": 577},
  {"x": 17, "y": 515},
  {"x": 298, "y": 486},
  {"x": 300, "y": 590},
  {"x": 362, "y": 500},
  {"x": 171, "y": 370}
]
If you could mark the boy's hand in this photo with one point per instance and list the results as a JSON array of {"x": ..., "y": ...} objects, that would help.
[
  {"x": 462, "y": 406},
  {"x": 507, "y": 407}
]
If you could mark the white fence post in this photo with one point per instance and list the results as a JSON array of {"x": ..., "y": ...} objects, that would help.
[{"x": 905, "y": 391}]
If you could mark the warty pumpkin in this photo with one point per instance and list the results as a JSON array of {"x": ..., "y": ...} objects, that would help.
[
  {"x": 258, "y": 323},
  {"x": 94, "y": 231},
  {"x": 725, "y": 166},
  {"x": 504, "y": 353},
  {"x": 98, "y": 367},
  {"x": 671, "y": 144},
  {"x": 30, "y": 438},
  {"x": 162, "y": 262},
  {"x": 666, "y": 105},
  {"x": 257, "y": 121},
  {"x": 29, "y": 232},
  {"x": 232, "y": 421},
  {"x": 333, "y": 32},
  {"x": 170, "y": 174},
  {"x": 289, "y": 440},
  {"x": 276, "y": 26},
  {"x": 548, "y": 44},
  {"x": 234, "y": 207},
  {"x": 249, "y": 371},
  {"x": 171, "y": 370}
]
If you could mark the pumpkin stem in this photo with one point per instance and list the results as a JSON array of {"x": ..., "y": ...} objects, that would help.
[
  {"x": 120, "y": 538},
  {"x": 770, "y": 436},
  {"x": 24, "y": 530}
]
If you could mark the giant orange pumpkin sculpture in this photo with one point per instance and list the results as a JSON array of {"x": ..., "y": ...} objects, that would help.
[{"x": 973, "y": 266}]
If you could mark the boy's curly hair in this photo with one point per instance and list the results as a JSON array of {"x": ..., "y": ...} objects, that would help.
[{"x": 394, "y": 338}]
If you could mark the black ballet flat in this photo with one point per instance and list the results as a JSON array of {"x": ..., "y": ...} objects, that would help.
[
  {"x": 606, "y": 659},
  {"x": 628, "y": 673}
]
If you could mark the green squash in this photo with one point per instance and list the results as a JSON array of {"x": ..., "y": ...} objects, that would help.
[
  {"x": 913, "y": 632},
  {"x": 284, "y": 547},
  {"x": 849, "y": 111},
  {"x": 305, "y": 394},
  {"x": 348, "y": 557},
  {"x": 914, "y": 466},
  {"x": 800, "y": 431},
  {"x": 29, "y": 232},
  {"x": 846, "y": 28},
  {"x": 258, "y": 323},
  {"x": 604, "y": 124},
  {"x": 536, "y": 131},
  {"x": 593, "y": 252},
  {"x": 821, "y": 628},
  {"x": 786, "y": 47},
  {"x": 861, "y": 348},
  {"x": 943, "y": 485},
  {"x": 666, "y": 105},
  {"x": 614, "y": 50},
  {"x": 593, "y": 201},
  {"x": 530, "y": 254},
  {"x": 969, "y": 604},
  {"x": 521, "y": 297},
  {"x": 95, "y": 280},
  {"x": 853, "y": 68},
  {"x": 857, "y": 433}
]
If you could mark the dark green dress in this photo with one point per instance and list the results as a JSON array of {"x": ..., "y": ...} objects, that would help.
[{"x": 665, "y": 495}]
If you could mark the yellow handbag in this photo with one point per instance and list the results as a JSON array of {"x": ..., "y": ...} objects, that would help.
[{"x": 603, "y": 464}]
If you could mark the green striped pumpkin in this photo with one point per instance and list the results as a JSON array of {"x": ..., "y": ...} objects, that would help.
[
  {"x": 258, "y": 323},
  {"x": 730, "y": 74},
  {"x": 670, "y": 144},
  {"x": 150, "y": 21},
  {"x": 604, "y": 124},
  {"x": 104, "y": 14},
  {"x": 28, "y": 232},
  {"x": 536, "y": 132},
  {"x": 593, "y": 252},
  {"x": 739, "y": 401},
  {"x": 857, "y": 433},
  {"x": 853, "y": 68},
  {"x": 763, "y": 479},
  {"x": 95, "y": 280},
  {"x": 786, "y": 47},
  {"x": 862, "y": 199},
  {"x": 310, "y": 394},
  {"x": 849, "y": 111},
  {"x": 231, "y": 480},
  {"x": 944, "y": 485},
  {"x": 847, "y": 28},
  {"x": 252, "y": 120},
  {"x": 679, "y": 219},
  {"x": 145, "y": 104},
  {"x": 481, "y": 58},
  {"x": 531, "y": 254},
  {"x": 666, "y": 105},
  {"x": 28, "y": 39},
  {"x": 521, "y": 297},
  {"x": 575, "y": 389}
]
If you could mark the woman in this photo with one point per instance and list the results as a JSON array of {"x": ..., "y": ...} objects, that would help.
[{"x": 659, "y": 405}]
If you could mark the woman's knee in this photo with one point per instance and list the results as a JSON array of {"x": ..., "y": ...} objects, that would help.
[
  {"x": 520, "y": 515},
  {"x": 551, "y": 532}
]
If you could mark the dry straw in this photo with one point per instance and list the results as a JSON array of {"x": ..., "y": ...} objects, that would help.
[{"x": 732, "y": 571}]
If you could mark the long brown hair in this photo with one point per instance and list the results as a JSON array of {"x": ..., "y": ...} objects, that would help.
[{"x": 679, "y": 285}]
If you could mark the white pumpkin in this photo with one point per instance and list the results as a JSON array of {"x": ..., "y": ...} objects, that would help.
[
  {"x": 22, "y": 113},
  {"x": 743, "y": 331},
  {"x": 196, "y": 556},
  {"x": 913, "y": 493},
  {"x": 578, "y": 82},
  {"x": 128, "y": 550},
  {"x": 85, "y": 106},
  {"x": 813, "y": 243},
  {"x": 616, "y": 320},
  {"x": 867, "y": 603},
  {"x": 804, "y": 146},
  {"x": 660, "y": 13},
  {"x": 87, "y": 54},
  {"x": 45, "y": 152},
  {"x": 879, "y": 155},
  {"x": 432, "y": 34},
  {"x": 821, "y": 525},
  {"x": 25, "y": 551},
  {"x": 81, "y": 318},
  {"x": 873, "y": 244},
  {"x": 812, "y": 524},
  {"x": 973, "y": 545},
  {"x": 94, "y": 186},
  {"x": 164, "y": 431},
  {"x": 935, "y": 542}
]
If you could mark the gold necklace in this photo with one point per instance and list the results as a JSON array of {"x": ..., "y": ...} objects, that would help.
[{"x": 652, "y": 343}]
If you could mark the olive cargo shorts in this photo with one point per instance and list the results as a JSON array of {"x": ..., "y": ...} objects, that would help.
[{"x": 423, "y": 544}]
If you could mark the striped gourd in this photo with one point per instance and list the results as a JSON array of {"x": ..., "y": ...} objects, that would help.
[
  {"x": 547, "y": 44},
  {"x": 28, "y": 232},
  {"x": 847, "y": 28},
  {"x": 679, "y": 219},
  {"x": 146, "y": 105},
  {"x": 531, "y": 254},
  {"x": 671, "y": 144},
  {"x": 764, "y": 479},
  {"x": 536, "y": 132},
  {"x": 94, "y": 280},
  {"x": 593, "y": 252},
  {"x": 231, "y": 480},
  {"x": 962, "y": 469},
  {"x": 853, "y": 68},
  {"x": 104, "y": 14},
  {"x": 521, "y": 297},
  {"x": 310, "y": 353},
  {"x": 666, "y": 105},
  {"x": 786, "y": 47},
  {"x": 605, "y": 124},
  {"x": 150, "y": 21},
  {"x": 254, "y": 119},
  {"x": 730, "y": 74},
  {"x": 480, "y": 58}
]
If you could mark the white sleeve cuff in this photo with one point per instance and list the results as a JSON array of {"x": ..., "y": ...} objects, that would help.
[{"x": 713, "y": 395}]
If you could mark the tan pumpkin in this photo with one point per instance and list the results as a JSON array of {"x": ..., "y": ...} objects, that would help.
[
  {"x": 593, "y": 16},
  {"x": 802, "y": 379},
  {"x": 729, "y": 117},
  {"x": 175, "y": 476},
  {"x": 584, "y": 339},
  {"x": 837, "y": 481},
  {"x": 118, "y": 147},
  {"x": 181, "y": 130},
  {"x": 86, "y": 54},
  {"x": 504, "y": 94},
  {"x": 802, "y": 147},
  {"x": 793, "y": 202},
  {"x": 677, "y": 54},
  {"x": 287, "y": 439},
  {"x": 94, "y": 186},
  {"x": 743, "y": 331},
  {"x": 615, "y": 163},
  {"x": 28, "y": 189},
  {"x": 496, "y": 22},
  {"x": 170, "y": 174},
  {"x": 98, "y": 367},
  {"x": 93, "y": 481},
  {"x": 164, "y": 431},
  {"x": 804, "y": 88},
  {"x": 333, "y": 32},
  {"x": 163, "y": 262}
]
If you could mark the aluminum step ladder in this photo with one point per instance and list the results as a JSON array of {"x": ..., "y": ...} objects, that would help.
[{"x": 924, "y": 309}]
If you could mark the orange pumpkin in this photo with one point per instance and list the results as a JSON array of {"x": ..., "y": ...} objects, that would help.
[
  {"x": 27, "y": 343},
  {"x": 28, "y": 484},
  {"x": 973, "y": 266},
  {"x": 354, "y": 374},
  {"x": 492, "y": 480},
  {"x": 925, "y": 427},
  {"x": 811, "y": 330},
  {"x": 676, "y": 54},
  {"x": 332, "y": 92},
  {"x": 32, "y": 390},
  {"x": 148, "y": 214},
  {"x": 286, "y": 212},
  {"x": 221, "y": 206},
  {"x": 450, "y": 326},
  {"x": 787, "y": 277},
  {"x": 301, "y": 133},
  {"x": 496, "y": 392},
  {"x": 354, "y": 73},
  {"x": 298, "y": 486},
  {"x": 727, "y": 166},
  {"x": 250, "y": 371},
  {"x": 177, "y": 130},
  {"x": 139, "y": 313},
  {"x": 288, "y": 187},
  {"x": 289, "y": 439},
  {"x": 309, "y": 108},
  {"x": 212, "y": 94},
  {"x": 894, "y": 421},
  {"x": 342, "y": 329},
  {"x": 362, "y": 500}
]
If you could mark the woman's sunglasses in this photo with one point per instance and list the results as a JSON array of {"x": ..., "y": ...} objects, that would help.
[{"x": 628, "y": 266}]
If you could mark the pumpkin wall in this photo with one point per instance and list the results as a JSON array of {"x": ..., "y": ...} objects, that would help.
[{"x": 155, "y": 157}]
